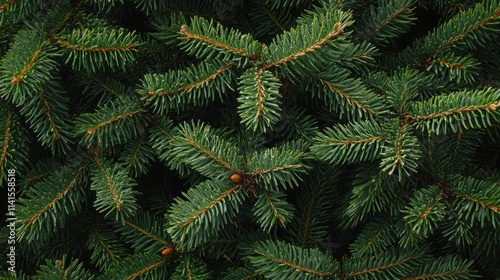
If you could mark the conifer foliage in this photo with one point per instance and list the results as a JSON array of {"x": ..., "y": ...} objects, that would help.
[{"x": 230, "y": 139}]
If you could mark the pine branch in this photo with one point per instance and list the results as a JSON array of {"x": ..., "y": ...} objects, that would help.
[
  {"x": 138, "y": 156},
  {"x": 468, "y": 29},
  {"x": 259, "y": 99},
  {"x": 456, "y": 68},
  {"x": 191, "y": 267},
  {"x": 314, "y": 200},
  {"x": 107, "y": 249},
  {"x": 306, "y": 39},
  {"x": 377, "y": 236},
  {"x": 478, "y": 199},
  {"x": 208, "y": 207},
  {"x": 49, "y": 111}
]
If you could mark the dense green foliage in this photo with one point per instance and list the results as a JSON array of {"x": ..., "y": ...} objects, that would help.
[{"x": 231, "y": 139}]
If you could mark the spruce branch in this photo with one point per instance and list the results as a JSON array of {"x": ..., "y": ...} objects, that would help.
[
  {"x": 259, "y": 99},
  {"x": 26, "y": 67},
  {"x": 139, "y": 265},
  {"x": 209, "y": 39},
  {"x": 351, "y": 143},
  {"x": 395, "y": 263},
  {"x": 196, "y": 85},
  {"x": 115, "y": 123},
  {"x": 449, "y": 267},
  {"x": 277, "y": 259},
  {"x": 208, "y": 208},
  {"x": 306, "y": 39},
  {"x": 402, "y": 151},
  {"x": 206, "y": 151},
  {"x": 115, "y": 192},
  {"x": 385, "y": 21},
  {"x": 45, "y": 207},
  {"x": 64, "y": 268},
  {"x": 271, "y": 207},
  {"x": 96, "y": 49},
  {"x": 425, "y": 210},
  {"x": 456, "y": 112}
]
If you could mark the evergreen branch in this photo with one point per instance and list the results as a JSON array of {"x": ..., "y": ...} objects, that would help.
[
  {"x": 106, "y": 247},
  {"x": 425, "y": 210},
  {"x": 197, "y": 84},
  {"x": 464, "y": 29},
  {"x": 6, "y": 138},
  {"x": 7, "y": 4},
  {"x": 106, "y": 87},
  {"x": 187, "y": 88},
  {"x": 338, "y": 30},
  {"x": 191, "y": 267},
  {"x": 48, "y": 114},
  {"x": 272, "y": 17},
  {"x": 144, "y": 266},
  {"x": 114, "y": 190},
  {"x": 118, "y": 122},
  {"x": 488, "y": 198},
  {"x": 208, "y": 208},
  {"x": 457, "y": 111},
  {"x": 210, "y": 205},
  {"x": 275, "y": 259},
  {"x": 64, "y": 269},
  {"x": 384, "y": 22},
  {"x": 274, "y": 167},
  {"x": 449, "y": 267},
  {"x": 259, "y": 99},
  {"x": 376, "y": 236},
  {"x": 205, "y": 38},
  {"x": 46, "y": 205},
  {"x": 206, "y": 151},
  {"x": 95, "y": 49},
  {"x": 271, "y": 207},
  {"x": 27, "y": 66},
  {"x": 68, "y": 186},
  {"x": 373, "y": 191},
  {"x": 138, "y": 155},
  {"x": 148, "y": 234},
  {"x": 350, "y": 143},
  {"x": 145, "y": 233},
  {"x": 314, "y": 201},
  {"x": 401, "y": 152},
  {"x": 347, "y": 95},
  {"x": 112, "y": 120},
  {"x": 394, "y": 263},
  {"x": 208, "y": 41}
]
